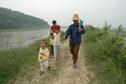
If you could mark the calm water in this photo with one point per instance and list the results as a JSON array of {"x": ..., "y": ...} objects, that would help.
[
  {"x": 21, "y": 38},
  {"x": 10, "y": 39}
]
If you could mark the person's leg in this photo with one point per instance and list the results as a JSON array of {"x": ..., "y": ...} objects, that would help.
[
  {"x": 71, "y": 48},
  {"x": 58, "y": 51},
  {"x": 46, "y": 65},
  {"x": 55, "y": 51},
  {"x": 51, "y": 50},
  {"x": 41, "y": 68},
  {"x": 75, "y": 54}
]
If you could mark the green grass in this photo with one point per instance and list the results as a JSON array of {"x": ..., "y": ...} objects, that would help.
[
  {"x": 106, "y": 53},
  {"x": 14, "y": 60}
]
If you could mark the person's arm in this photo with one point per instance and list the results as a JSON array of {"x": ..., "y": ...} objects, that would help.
[
  {"x": 47, "y": 54},
  {"x": 67, "y": 33},
  {"x": 83, "y": 29},
  {"x": 51, "y": 29},
  {"x": 59, "y": 27}
]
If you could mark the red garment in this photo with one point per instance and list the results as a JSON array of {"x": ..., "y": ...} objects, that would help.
[{"x": 55, "y": 27}]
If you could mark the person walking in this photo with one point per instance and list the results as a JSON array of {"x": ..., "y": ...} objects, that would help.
[
  {"x": 54, "y": 28},
  {"x": 75, "y": 31},
  {"x": 57, "y": 44},
  {"x": 43, "y": 57}
]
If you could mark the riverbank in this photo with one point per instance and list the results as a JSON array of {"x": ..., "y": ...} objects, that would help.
[
  {"x": 16, "y": 59},
  {"x": 26, "y": 70},
  {"x": 102, "y": 60},
  {"x": 61, "y": 71},
  {"x": 106, "y": 55}
]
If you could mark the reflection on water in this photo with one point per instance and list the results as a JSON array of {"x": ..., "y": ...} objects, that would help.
[{"x": 21, "y": 38}]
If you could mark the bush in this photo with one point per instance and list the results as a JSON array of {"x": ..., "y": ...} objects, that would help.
[
  {"x": 14, "y": 60},
  {"x": 107, "y": 53}
]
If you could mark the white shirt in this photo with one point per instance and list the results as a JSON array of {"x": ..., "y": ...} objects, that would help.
[{"x": 57, "y": 39}]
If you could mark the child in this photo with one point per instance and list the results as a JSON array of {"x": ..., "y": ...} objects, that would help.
[
  {"x": 43, "y": 57},
  {"x": 57, "y": 43},
  {"x": 51, "y": 44}
]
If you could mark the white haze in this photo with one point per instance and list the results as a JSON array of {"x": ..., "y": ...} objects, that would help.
[{"x": 94, "y": 12}]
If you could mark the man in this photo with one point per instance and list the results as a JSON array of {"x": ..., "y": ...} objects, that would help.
[{"x": 74, "y": 31}]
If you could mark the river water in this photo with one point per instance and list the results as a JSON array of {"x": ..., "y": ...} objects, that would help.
[{"x": 10, "y": 39}]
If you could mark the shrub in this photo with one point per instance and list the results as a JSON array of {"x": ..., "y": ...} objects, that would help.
[{"x": 106, "y": 51}]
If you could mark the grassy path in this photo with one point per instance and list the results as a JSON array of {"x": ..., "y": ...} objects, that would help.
[{"x": 61, "y": 71}]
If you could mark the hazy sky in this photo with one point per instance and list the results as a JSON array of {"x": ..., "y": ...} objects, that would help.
[{"x": 94, "y": 12}]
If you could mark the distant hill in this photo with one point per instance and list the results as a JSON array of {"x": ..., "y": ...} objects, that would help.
[{"x": 10, "y": 19}]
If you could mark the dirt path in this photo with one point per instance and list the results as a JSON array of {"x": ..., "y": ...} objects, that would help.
[{"x": 61, "y": 71}]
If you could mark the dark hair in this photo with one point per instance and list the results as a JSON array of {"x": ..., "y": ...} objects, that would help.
[
  {"x": 54, "y": 21},
  {"x": 51, "y": 33},
  {"x": 43, "y": 41}
]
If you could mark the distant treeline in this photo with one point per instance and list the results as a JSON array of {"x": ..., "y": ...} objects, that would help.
[{"x": 10, "y": 19}]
